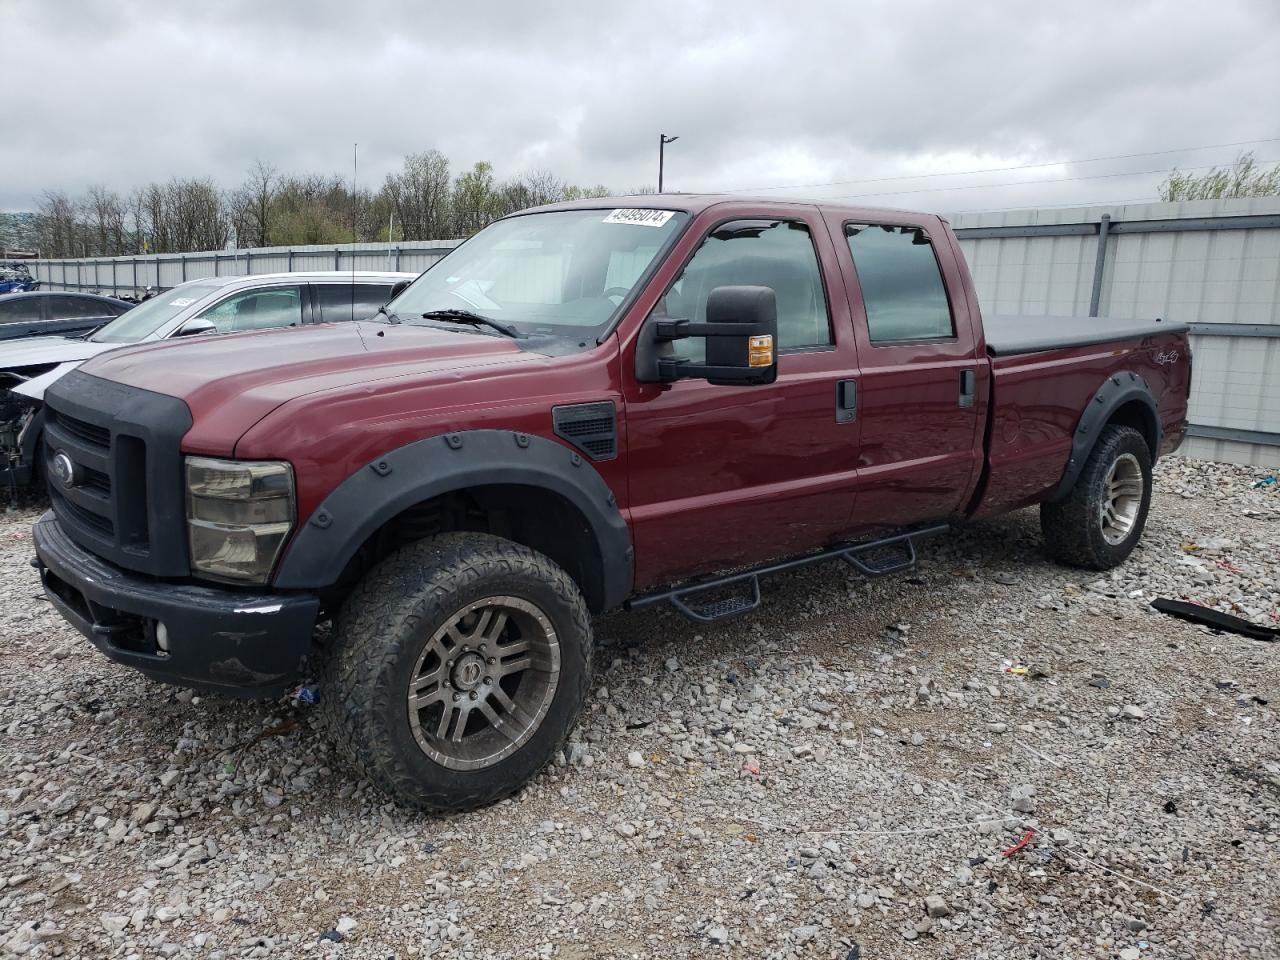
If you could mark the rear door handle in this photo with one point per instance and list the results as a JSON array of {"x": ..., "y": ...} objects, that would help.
[
  {"x": 846, "y": 401},
  {"x": 968, "y": 387}
]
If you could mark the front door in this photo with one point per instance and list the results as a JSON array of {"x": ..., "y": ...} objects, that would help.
[{"x": 727, "y": 475}]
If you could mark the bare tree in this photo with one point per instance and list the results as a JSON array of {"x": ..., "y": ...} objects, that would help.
[
  {"x": 419, "y": 195},
  {"x": 103, "y": 214},
  {"x": 252, "y": 204},
  {"x": 57, "y": 225}
]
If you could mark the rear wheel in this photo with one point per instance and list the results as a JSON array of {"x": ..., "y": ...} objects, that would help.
[
  {"x": 458, "y": 668},
  {"x": 1101, "y": 520}
]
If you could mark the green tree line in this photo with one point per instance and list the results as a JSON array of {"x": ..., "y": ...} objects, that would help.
[{"x": 423, "y": 200}]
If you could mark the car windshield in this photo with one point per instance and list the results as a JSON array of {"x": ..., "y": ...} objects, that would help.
[
  {"x": 148, "y": 317},
  {"x": 564, "y": 272}
]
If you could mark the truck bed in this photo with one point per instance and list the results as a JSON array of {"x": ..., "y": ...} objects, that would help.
[{"x": 1015, "y": 334}]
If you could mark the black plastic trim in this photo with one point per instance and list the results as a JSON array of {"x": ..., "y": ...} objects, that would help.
[
  {"x": 395, "y": 481},
  {"x": 144, "y": 461},
  {"x": 242, "y": 644},
  {"x": 1117, "y": 390},
  {"x": 591, "y": 427}
]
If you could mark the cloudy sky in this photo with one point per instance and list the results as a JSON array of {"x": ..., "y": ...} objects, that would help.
[{"x": 862, "y": 99}]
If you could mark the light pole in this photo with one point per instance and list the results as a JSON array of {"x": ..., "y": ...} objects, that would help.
[{"x": 663, "y": 140}]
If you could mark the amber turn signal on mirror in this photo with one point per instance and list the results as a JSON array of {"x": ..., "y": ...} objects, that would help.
[{"x": 760, "y": 351}]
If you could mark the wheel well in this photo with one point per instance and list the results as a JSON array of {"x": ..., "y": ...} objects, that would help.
[
  {"x": 533, "y": 516},
  {"x": 1140, "y": 417}
]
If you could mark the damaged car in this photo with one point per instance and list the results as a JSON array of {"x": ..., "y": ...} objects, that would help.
[{"x": 213, "y": 305}]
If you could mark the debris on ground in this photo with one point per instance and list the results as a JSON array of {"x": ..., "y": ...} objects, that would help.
[{"x": 1216, "y": 619}]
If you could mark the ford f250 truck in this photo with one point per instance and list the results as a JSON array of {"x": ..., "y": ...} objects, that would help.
[{"x": 589, "y": 405}]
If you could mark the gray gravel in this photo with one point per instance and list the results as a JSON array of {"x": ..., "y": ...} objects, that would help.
[{"x": 846, "y": 767}]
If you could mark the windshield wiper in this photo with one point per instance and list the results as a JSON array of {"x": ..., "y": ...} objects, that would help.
[{"x": 475, "y": 319}]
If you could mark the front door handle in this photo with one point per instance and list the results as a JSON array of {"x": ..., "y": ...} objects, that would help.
[
  {"x": 968, "y": 387},
  {"x": 846, "y": 401}
]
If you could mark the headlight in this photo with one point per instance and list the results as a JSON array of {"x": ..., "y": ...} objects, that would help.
[{"x": 239, "y": 513}]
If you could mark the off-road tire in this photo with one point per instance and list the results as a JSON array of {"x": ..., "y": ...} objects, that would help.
[
  {"x": 1073, "y": 526},
  {"x": 382, "y": 629}
]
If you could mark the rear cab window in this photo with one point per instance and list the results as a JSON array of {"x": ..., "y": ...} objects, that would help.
[{"x": 903, "y": 292}]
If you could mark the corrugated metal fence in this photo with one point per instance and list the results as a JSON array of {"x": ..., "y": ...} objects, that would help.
[
  {"x": 1214, "y": 264},
  {"x": 130, "y": 275}
]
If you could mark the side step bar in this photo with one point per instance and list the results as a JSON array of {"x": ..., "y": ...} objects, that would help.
[{"x": 867, "y": 558}]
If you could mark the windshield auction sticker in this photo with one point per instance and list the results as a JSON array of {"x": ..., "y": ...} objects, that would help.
[{"x": 643, "y": 218}]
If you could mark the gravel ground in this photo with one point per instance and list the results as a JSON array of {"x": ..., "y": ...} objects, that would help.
[{"x": 840, "y": 775}]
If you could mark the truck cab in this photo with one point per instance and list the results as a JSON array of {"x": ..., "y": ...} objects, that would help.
[{"x": 585, "y": 406}]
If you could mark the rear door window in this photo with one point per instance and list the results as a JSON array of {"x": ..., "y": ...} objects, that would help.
[
  {"x": 347, "y": 301},
  {"x": 257, "y": 309},
  {"x": 901, "y": 282},
  {"x": 71, "y": 308}
]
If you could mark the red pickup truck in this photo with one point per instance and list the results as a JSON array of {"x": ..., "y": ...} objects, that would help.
[{"x": 589, "y": 405}]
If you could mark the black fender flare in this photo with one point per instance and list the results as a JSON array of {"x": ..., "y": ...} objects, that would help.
[
  {"x": 1120, "y": 388},
  {"x": 418, "y": 471}
]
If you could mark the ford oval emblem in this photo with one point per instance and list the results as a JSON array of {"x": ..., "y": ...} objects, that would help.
[{"x": 63, "y": 469}]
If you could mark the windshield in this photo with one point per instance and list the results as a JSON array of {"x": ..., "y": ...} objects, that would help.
[
  {"x": 146, "y": 318},
  {"x": 564, "y": 272}
]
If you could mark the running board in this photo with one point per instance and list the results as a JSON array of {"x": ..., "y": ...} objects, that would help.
[{"x": 867, "y": 558}]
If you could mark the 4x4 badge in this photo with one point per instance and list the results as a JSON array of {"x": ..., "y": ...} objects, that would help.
[{"x": 1169, "y": 357}]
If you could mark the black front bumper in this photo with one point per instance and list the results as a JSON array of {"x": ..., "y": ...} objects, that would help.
[{"x": 243, "y": 644}]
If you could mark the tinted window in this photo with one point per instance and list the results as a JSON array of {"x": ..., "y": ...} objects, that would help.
[
  {"x": 11, "y": 311},
  {"x": 769, "y": 253},
  {"x": 257, "y": 310},
  {"x": 70, "y": 308},
  {"x": 902, "y": 287},
  {"x": 336, "y": 300}
]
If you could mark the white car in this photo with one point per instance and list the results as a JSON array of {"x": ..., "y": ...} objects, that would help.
[{"x": 213, "y": 305}]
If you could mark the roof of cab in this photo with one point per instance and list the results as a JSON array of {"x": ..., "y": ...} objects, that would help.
[{"x": 695, "y": 203}]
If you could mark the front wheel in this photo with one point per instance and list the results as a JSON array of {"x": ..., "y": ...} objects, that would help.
[
  {"x": 458, "y": 667},
  {"x": 1101, "y": 520}
]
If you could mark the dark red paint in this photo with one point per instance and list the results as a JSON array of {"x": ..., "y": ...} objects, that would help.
[{"x": 708, "y": 476}]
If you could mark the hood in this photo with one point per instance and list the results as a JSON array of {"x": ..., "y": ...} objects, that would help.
[
  {"x": 41, "y": 351},
  {"x": 231, "y": 382}
]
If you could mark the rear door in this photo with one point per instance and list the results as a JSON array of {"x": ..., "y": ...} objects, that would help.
[
  {"x": 920, "y": 450},
  {"x": 728, "y": 475}
]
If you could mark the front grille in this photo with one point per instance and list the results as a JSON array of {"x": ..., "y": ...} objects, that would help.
[
  {"x": 123, "y": 497},
  {"x": 66, "y": 509}
]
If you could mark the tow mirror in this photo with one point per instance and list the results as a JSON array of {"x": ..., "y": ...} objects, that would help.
[
  {"x": 400, "y": 287},
  {"x": 195, "y": 327},
  {"x": 741, "y": 335}
]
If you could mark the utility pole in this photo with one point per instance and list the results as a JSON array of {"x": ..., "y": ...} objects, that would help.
[{"x": 663, "y": 140}]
